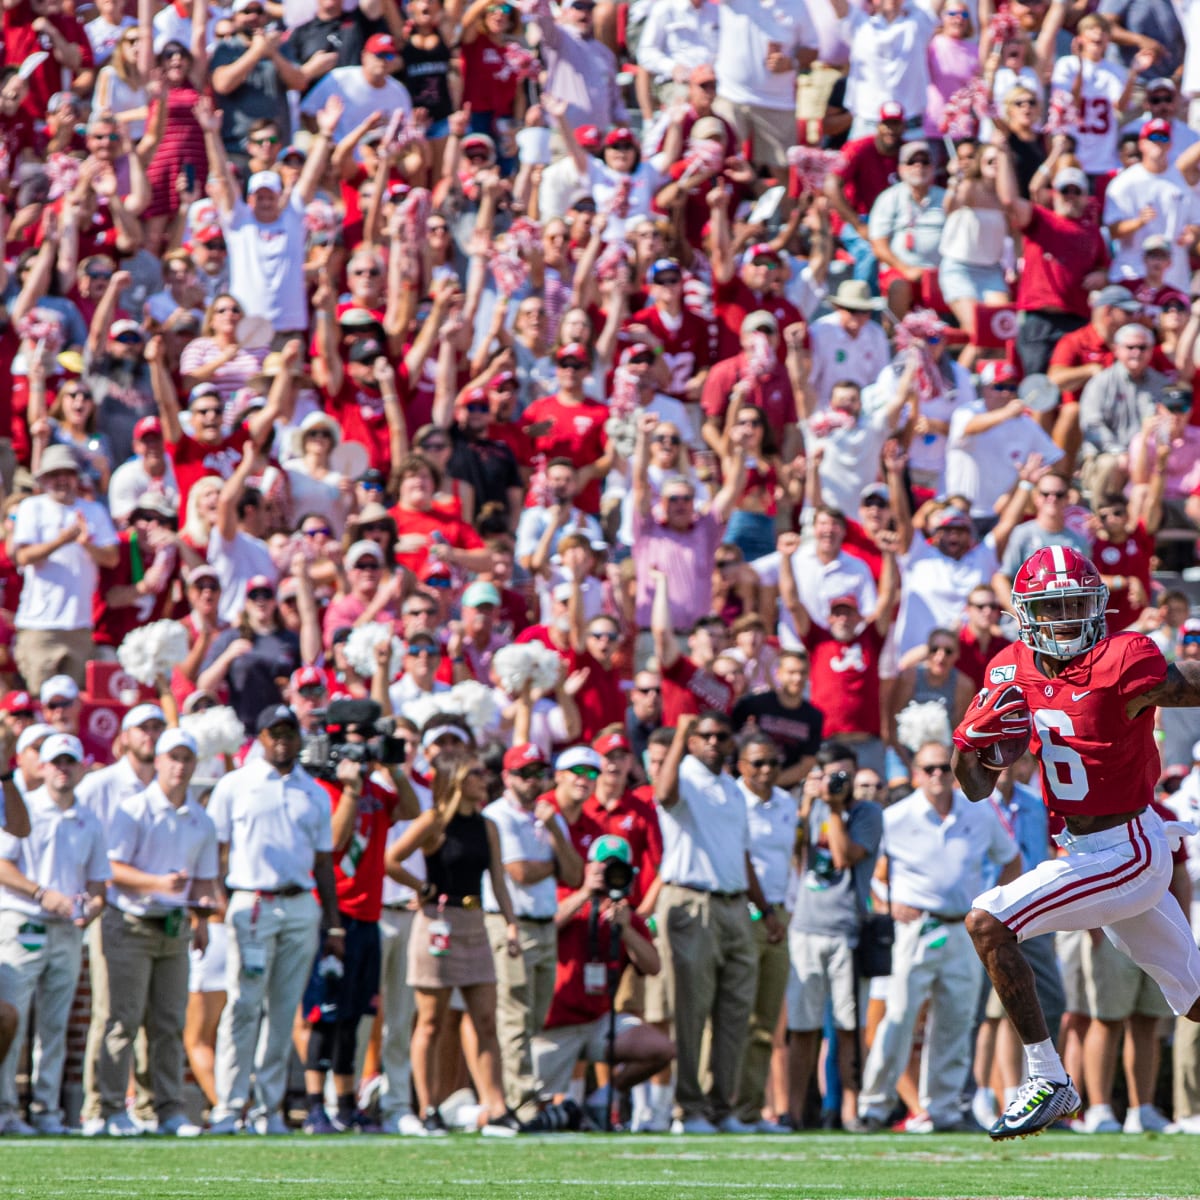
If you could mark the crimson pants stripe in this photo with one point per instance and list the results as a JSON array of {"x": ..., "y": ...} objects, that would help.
[{"x": 1093, "y": 884}]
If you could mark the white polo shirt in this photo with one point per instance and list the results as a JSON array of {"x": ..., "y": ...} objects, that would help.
[
  {"x": 838, "y": 356},
  {"x": 274, "y": 825},
  {"x": 58, "y": 590},
  {"x": 935, "y": 864},
  {"x": 887, "y": 60},
  {"x": 818, "y": 583},
  {"x": 772, "y": 825},
  {"x": 148, "y": 832},
  {"x": 523, "y": 838},
  {"x": 935, "y": 588},
  {"x": 65, "y": 851},
  {"x": 705, "y": 834},
  {"x": 102, "y": 791}
]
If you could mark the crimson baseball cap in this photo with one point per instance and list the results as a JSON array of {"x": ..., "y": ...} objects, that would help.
[
  {"x": 849, "y": 600},
  {"x": 588, "y": 136},
  {"x": 611, "y": 742},
  {"x": 304, "y": 677},
  {"x": 1158, "y": 125},
  {"x": 572, "y": 350},
  {"x": 259, "y": 581},
  {"x": 997, "y": 371},
  {"x": 621, "y": 133},
  {"x": 891, "y": 111},
  {"x": 18, "y": 701},
  {"x": 380, "y": 43},
  {"x": 524, "y": 755},
  {"x": 148, "y": 427}
]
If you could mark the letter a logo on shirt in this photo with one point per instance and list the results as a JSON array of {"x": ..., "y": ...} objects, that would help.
[{"x": 851, "y": 659}]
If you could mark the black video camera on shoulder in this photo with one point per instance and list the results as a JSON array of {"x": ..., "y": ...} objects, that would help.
[{"x": 322, "y": 751}]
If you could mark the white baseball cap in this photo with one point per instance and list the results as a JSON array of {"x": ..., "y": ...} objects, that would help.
[
  {"x": 34, "y": 733},
  {"x": 139, "y": 715},
  {"x": 61, "y": 743},
  {"x": 266, "y": 181},
  {"x": 172, "y": 739},
  {"x": 59, "y": 685},
  {"x": 578, "y": 756}
]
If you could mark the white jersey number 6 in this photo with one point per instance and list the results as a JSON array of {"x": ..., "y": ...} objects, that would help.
[{"x": 1065, "y": 772}]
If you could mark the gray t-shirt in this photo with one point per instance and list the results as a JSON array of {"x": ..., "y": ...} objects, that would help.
[
  {"x": 829, "y": 901},
  {"x": 1029, "y": 537},
  {"x": 261, "y": 95}
]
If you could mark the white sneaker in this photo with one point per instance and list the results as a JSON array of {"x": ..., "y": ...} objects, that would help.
[
  {"x": 1147, "y": 1119},
  {"x": 983, "y": 1106},
  {"x": 693, "y": 1125},
  {"x": 178, "y": 1126},
  {"x": 92, "y": 1127},
  {"x": 121, "y": 1125},
  {"x": 49, "y": 1124},
  {"x": 11, "y": 1125},
  {"x": 223, "y": 1126},
  {"x": 1190, "y": 1124},
  {"x": 731, "y": 1124},
  {"x": 271, "y": 1125},
  {"x": 648, "y": 1121},
  {"x": 405, "y": 1124},
  {"x": 1099, "y": 1119}
]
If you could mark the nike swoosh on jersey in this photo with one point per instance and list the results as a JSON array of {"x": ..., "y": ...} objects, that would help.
[{"x": 1080, "y": 695}]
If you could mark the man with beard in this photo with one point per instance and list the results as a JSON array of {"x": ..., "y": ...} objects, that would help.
[
  {"x": 487, "y": 464},
  {"x": 148, "y": 471}
]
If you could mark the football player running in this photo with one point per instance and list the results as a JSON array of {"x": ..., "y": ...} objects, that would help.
[{"x": 1085, "y": 702}]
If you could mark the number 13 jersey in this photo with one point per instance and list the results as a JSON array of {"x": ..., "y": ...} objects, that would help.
[{"x": 1094, "y": 761}]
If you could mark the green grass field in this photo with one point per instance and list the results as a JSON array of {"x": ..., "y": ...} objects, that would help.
[{"x": 577, "y": 1167}]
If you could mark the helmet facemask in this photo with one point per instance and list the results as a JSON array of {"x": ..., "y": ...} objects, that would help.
[{"x": 1064, "y": 622}]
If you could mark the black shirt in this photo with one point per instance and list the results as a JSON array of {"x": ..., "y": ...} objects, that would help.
[
  {"x": 488, "y": 466},
  {"x": 796, "y": 731},
  {"x": 426, "y": 74},
  {"x": 456, "y": 867},
  {"x": 345, "y": 35}
]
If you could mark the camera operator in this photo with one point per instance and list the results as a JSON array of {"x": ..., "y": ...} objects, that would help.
[
  {"x": 368, "y": 796},
  {"x": 837, "y": 842},
  {"x": 598, "y": 934},
  {"x": 536, "y": 850}
]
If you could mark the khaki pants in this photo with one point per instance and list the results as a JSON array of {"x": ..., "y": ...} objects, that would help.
[
  {"x": 524, "y": 989},
  {"x": 286, "y": 930},
  {"x": 712, "y": 969},
  {"x": 152, "y": 968},
  {"x": 1187, "y": 1068},
  {"x": 773, "y": 130},
  {"x": 41, "y": 653},
  {"x": 399, "y": 1009},
  {"x": 768, "y": 1000},
  {"x": 47, "y": 973}
]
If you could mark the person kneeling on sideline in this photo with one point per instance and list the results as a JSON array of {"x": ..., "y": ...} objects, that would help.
[{"x": 598, "y": 933}]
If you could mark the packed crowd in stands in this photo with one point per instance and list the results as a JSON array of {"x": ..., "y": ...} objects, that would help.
[{"x": 645, "y": 408}]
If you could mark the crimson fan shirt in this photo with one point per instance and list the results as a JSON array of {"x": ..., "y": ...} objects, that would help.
[
  {"x": 576, "y": 432},
  {"x": 194, "y": 460},
  {"x": 635, "y": 820},
  {"x": 1130, "y": 556},
  {"x": 358, "y": 865},
  {"x": 844, "y": 679},
  {"x": 685, "y": 347},
  {"x": 1094, "y": 761},
  {"x": 600, "y": 701},
  {"x": 735, "y": 302},
  {"x": 688, "y": 688},
  {"x": 1059, "y": 255},
  {"x": 582, "y": 834},
  {"x": 111, "y": 625}
]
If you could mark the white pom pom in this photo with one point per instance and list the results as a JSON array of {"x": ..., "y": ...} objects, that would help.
[
  {"x": 216, "y": 730},
  {"x": 547, "y": 666},
  {"x": 917, "y": 724},
  {"x": 360, "y": 649},
  {"x": 513, "y": 665},
  {"x": 153, "y": 650},
  {"x": 476, "y": 704}
]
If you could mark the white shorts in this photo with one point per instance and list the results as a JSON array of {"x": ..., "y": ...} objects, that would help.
[
  {"x": 822, "y": 968},
  {"x": 206, "y": 972},
  {"x": 556, "y": 1051},
  {"x": 1116, "y": 880}
]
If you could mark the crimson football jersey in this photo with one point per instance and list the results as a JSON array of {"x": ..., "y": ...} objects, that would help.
[
  {"x": 1094, "y": 761},
  {"x": 685, "y": 349}
]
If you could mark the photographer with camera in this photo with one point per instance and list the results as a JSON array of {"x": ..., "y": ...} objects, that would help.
[
  {"x": 837, "y": 842},
  {"x": 598, "y": 934},
  {"x": 361, "y": 772},
  {"x": 536, "y": 850}
]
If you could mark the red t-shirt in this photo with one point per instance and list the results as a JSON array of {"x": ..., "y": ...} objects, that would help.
[
  {"x": 582, "y": 834},
  {"x": 111, "y": 625},
  {"x": 457, "y": 533},
  {"x": 361, "y": 418},
  {"x": 20, "y": 41},
  {"x": 735, "y": 302},
  {"x": 194, "y": 460},
  {"x": 601, "y": 701},
  {"x": 685, "y": 349},
  {"x": 358, "y": 865},
  {"x": 687, "y": 688},
  {"x": 1131, "y": 556},
  {"x": 1094, "y": 761},
  {"x": 1059, "y": 254},
  {"x": 972, "y": 661},
  {"x": 541, "y": 633},
  {"x": 861, "y": 545},
  {"x": 865, "y": 174},
  {"x": 489, "y": 83},
  {"x": 515, "y": 438},
  {"x": 772, "y": 394},
  {"x": 1075, "y": 349},
  {"x": 573, "y": 1002},
  {"x": 576, "y": 432},
  {"x": 635, "y": 820},
  {"x": 845, "y": 679}
]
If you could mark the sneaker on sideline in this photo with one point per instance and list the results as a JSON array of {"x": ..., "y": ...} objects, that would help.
[
  {"x": 178, "y": 1126},
  {"x": 1039, "y": 1103},
  {"x": 1099, "y": 1118},
  {"x": 317, "y": 1123},
  {"x": 1147, "y": 1119},
  {"x": 693, "y": 1125}
]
